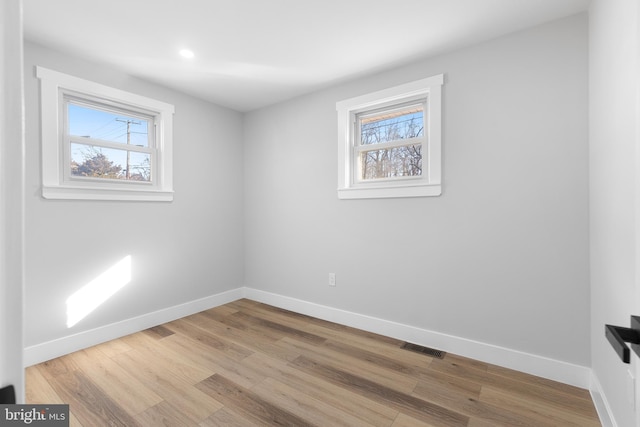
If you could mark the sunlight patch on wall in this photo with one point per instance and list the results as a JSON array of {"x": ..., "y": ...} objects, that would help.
[{"x": 96, "y": 292}]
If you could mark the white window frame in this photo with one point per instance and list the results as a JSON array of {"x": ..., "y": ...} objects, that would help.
[
  {"x": 55, "y": 88},
  {"x": 350, "y": 186}
]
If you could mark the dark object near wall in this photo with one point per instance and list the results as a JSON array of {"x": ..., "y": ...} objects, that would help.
[
  {"x": 424, "y": 350},
  {"x": 619, "y": 336},
  {"x": 7, "y": 395}
]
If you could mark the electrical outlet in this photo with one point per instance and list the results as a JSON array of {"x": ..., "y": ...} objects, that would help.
[{"x": 332, "y": 279}]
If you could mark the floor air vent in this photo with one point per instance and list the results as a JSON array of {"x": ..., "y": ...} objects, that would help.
[{"x": 424, "y": 350}]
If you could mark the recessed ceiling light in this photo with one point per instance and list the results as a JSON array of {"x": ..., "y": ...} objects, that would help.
[{"x": 186, "y": 53}]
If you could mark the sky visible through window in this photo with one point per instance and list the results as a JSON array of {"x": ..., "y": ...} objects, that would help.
[
  {"x": 98, "y": 124},
  {"x": 391, "y": 126},
  {"x": 387, "y": 127},
  {"x": 90, "y": 159}
]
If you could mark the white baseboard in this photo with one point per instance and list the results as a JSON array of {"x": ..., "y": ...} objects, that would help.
[
  {"x": 51, "y": 349},
  {"x": 579, "y": 376},
  {"x": 601, "y": 403},
  {"x": 556, "y": 370}
]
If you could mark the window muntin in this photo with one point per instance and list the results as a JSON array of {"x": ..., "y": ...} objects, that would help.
[
  {"x": 390, "y": 142},
  {"x": 89, "y": 119},
  {"x": 107, "y": 142}
]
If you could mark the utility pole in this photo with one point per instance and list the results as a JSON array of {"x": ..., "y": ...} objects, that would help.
[{"x": 128, "y": 122}]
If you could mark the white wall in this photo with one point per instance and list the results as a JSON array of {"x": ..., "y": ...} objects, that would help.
[
  {"x": 613, "y": 66},
  {"x": 181, "y": 251},
  {"x": 501, "y": 257},
  {"x": 11, "y": 196}
]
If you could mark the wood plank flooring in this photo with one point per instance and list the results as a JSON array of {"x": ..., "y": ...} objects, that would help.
[{"x": 250, "y": 364}]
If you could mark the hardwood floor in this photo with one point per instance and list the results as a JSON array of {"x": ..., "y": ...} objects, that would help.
[{"x": 249, "y": 364}]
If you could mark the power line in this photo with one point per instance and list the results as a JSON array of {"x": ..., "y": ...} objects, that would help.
[{"x": 107, "y": 133}]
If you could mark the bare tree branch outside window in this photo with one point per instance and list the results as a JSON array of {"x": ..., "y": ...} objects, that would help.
[
  {"x": 396, "y": 161},
  {"x": 106, "y": 163}
]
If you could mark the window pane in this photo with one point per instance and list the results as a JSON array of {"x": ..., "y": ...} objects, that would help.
[
  {"x": 100, "y": 124},
  {"x": 99, "y": 162},
  {"x": 395, "y": 125},
  {"x": 392, "y": 162}
]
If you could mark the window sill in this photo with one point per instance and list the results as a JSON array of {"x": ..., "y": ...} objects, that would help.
[
  {"x": 390, "y": 192},
  {"x": 429, "y": 91},
  {"x": 55, "y": 90},
  {"x": 72, "y": 193}
]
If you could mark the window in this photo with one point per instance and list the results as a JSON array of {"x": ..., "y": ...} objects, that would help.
[
  {"x": 390, "y": 142},
  {"x": 101, "y": 143}
]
